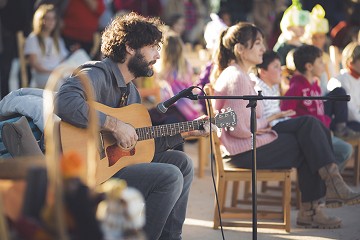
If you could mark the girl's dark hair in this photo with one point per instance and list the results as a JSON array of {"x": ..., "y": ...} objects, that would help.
[
  {"x": 305, "y": 54},
  {"x": 244, "y": 33},
  {"x": 133, "y": 30},
  {"x": 268, "y": 57}
]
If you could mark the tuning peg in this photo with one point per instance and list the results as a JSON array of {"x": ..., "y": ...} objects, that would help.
[
  {"x": 216, "y": 111},
  {"x": 222, "y": 110},
  {"x": 231, "y": 129}
]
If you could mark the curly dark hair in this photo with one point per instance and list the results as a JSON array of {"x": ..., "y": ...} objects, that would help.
[{"x": 133, "y": 30}]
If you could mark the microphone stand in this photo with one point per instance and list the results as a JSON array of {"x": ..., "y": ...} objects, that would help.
[{"x": 252, "y": 105}]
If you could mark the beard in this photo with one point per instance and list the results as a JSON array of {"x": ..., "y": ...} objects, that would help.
[{"x": 139, "y": 67}]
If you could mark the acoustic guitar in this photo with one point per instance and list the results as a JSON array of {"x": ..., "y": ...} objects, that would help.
[{"x": 111, "y": 157}]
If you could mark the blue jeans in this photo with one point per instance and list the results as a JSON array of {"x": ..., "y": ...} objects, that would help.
[
  {"x": 165, "y": 184},
  {"x": 342, "y": 151}
]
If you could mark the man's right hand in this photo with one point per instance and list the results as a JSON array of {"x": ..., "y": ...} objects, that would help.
[{"x": 124, "y": 133}]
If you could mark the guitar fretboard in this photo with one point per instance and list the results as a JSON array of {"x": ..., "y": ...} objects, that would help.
[{"x": 168, "y": 129}]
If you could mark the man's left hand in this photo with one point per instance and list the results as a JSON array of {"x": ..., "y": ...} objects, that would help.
[{"x": 201, "y": 133}]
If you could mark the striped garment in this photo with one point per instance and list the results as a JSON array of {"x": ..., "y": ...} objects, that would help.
[{"x": 271, "y": 107}]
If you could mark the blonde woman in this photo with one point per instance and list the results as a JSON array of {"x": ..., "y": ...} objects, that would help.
[
  {"x": 44, "y": 48},
  {"x": 175, "y": 73}
]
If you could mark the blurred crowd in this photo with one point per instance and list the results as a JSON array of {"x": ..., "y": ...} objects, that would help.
[{"x": 55, "y": 30}]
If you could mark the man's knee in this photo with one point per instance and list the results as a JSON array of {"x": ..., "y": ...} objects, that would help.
[
  {"x": 172, "y": 178},
  {"x": 183, "y": 162}
]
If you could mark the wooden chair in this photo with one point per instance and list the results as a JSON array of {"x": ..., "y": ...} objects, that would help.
[
  {"x": 238, "y": 216},
  {"x": 203, "y": 153},
  {"x": 266, "y": 195},
  {"x": 22, "y": 60}
]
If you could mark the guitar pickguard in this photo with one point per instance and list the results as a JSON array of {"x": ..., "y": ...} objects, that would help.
[{"x": 114, "y": 153}]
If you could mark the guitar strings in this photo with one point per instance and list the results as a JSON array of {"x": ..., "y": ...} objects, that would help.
[{"x": 168, "y": 129}]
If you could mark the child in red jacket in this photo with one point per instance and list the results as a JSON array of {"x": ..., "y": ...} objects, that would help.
[{"x": 309, "y": 65}]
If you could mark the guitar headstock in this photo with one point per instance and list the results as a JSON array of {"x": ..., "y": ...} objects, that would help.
[{"x": 226, "y": 119}]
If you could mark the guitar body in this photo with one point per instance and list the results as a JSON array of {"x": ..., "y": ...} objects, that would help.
[{"x": 111, "y": 158}]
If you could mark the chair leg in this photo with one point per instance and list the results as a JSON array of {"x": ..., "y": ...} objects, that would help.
[
  {"x": 235, "y": 193},
  {"x": 287, "y": 202},
  {"x": 203, "y": 155},
  {"x": 264, "y": 186},
  {"x": 298, "y": 196},
  {"x": 247, "y": 190}
]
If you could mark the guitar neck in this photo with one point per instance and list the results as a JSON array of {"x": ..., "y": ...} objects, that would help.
[{"x": 168, "y": 129}]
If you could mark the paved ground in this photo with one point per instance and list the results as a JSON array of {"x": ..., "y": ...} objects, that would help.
[{"x": 198, "y": 224}]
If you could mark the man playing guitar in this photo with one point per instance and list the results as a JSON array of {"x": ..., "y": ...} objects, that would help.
[{"x": 130, "y": 45}]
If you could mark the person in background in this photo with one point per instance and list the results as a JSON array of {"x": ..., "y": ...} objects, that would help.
[
  {"x": 195, "y": 13},
  {"x": 346, "y": 30},
  {"x": 15, "y": 15},
  {"x": 349, "y": 79},
  {"x": 176, "y": 24},
  {"x": 60, "y": 6},
  {"x": 174, "y": 74},
  {"x": 80, "y": 25},
  {"x": 44, "y": 48},
  {"x": 309, "y": 65},
  {"x": 130, "y": 45},
  {"x": 315, "y": 34},
  {"x": 264, "y": 14},
  {"x": 240, "y": 10},
  {"x": 149, "y": 8},
  {"x": 292, "y": 27},
  {"x": 303, "y": 142},
  {"x": 219, "y": 22}
]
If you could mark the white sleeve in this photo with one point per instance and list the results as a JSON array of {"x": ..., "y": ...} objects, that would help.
[
  {"x": 353, "y": 104},
  {"x": 63, "y": 50},
  {"x": 31, "y": 45}
]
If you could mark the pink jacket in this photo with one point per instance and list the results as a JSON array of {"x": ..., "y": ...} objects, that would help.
[{"x": 234, "y": 82}]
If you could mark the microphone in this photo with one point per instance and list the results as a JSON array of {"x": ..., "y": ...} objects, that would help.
[{"x": 163, "y": 106}]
